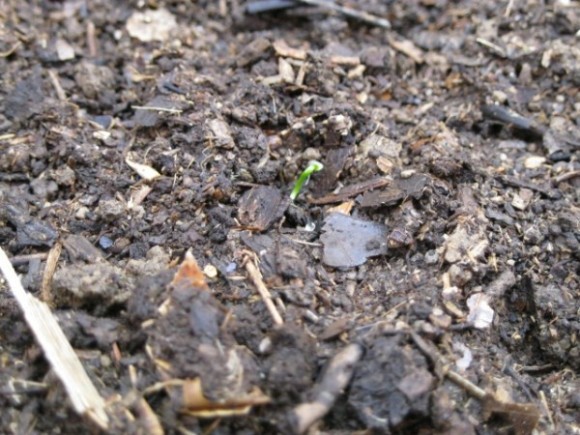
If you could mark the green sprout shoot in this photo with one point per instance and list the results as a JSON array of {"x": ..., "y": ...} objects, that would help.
[{"x": 313, "y": 166}]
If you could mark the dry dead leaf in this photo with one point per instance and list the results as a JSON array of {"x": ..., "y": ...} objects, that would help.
[
  {"x": 343, "y": 207},
  {"x": 480, "y": 313},
  {"x": 144, "y": 171},
  {"x": 523, "y": 416},
  {"x": 195, "y": 403},
  {"x": 138, "y": 196},
  {"x": 285, "y": 70},
  {"x": 221, "y": 133}
]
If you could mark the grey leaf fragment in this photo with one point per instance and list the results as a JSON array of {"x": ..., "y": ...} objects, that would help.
[{"x": 349, "y": 242}]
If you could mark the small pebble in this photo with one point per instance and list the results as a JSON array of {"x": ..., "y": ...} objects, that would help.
[
  {"x": 105, "y": 242},
  {"x": 431, "y": 257},
  {"x": 500, "y": 96},
  {"x": 534, "y": 162},
  {"x": 82, "y": 212},
  {"x": 210, "y": 271}
]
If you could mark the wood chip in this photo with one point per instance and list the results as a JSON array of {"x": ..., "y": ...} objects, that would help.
[
  {"x": 285, "y": 70},
  {"x": 51, "y": 262},
  {"x": 284, "y": 50},
  {"x": 261, "y": 206},
  {"x": 522, "y": 200},
  {"x": 408, "y": 49},
  {"x": 356, "y": 72},
  {"x": 397, "y": 191},
  {"x": 345, "y": 60},
  {"x": 351, "y": 190}
]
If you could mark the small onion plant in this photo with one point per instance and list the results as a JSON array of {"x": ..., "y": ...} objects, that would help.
[{"x": 313, "y": 166}]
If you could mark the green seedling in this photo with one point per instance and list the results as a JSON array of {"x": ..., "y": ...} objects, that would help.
[{"x": 313, "y": 166}]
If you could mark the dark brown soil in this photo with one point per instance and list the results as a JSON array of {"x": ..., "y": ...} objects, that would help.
[{"x": 440, "y": 242}]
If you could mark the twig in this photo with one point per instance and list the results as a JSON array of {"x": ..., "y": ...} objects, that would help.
[
  {"x": 17, "y": 260},
  {"x": 566, "y": 176},
  {"x": 256, "y": 277},
  {"x": 223, "y": 8},
  {"x": 91, "y": 40},
  {"x": 302, "y": 242},
  {"x": 158, "y": 109},
  {"x": 467, "y": 385},
  {"x": 350, "y": 12},
  {"x": 505, "y": 115},
  {"x": 56, "y": 85},
  {"x": 260, "y": 6},
  {"x": 18, "y": 387},
  {"x": 515, "y": 182},
  {"x": 82, "y": 393},
  {"x": 509, "y": 8},
  {"x": 493, "y": 47},
  {"x": 10, "y": 50},
  {"x": 546, "y": 408}
]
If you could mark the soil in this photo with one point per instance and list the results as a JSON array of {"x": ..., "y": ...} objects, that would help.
[{"x": 424, "y": 281}]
